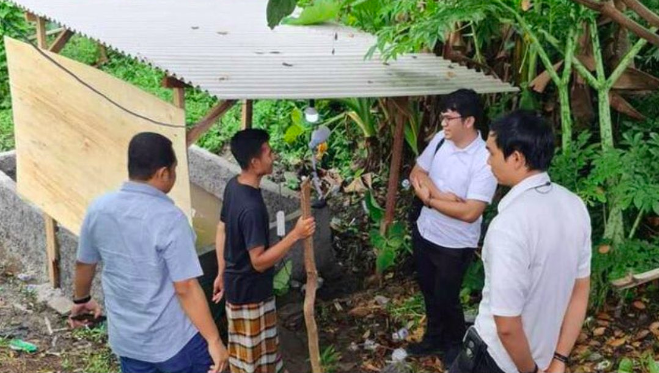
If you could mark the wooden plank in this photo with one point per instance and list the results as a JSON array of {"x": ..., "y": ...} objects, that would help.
[
  {"x": 71, "y": 143},
  {"x": 42, "y": 40},
  {"x": 61, "y": 41},
  {"x": 207, "y": 122},
  {"x": 312, "y": 284},
  {"x": 52, "y": 251},
  {"x": 247, "y": 114}
]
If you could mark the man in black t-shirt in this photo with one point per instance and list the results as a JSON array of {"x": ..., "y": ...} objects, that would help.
[{"x": 246, "y": 259}]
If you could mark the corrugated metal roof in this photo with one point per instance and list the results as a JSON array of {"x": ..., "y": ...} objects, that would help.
[{"x": 225, "y": 48}]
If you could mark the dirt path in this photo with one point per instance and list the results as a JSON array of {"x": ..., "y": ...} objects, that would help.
[{"x": 355, "y": 332}]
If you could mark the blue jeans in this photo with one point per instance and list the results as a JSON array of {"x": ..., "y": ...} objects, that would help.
[{"x": 193, "y": 358}]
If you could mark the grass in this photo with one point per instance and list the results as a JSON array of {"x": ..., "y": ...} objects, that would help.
[{"x": 329, "y": 359}]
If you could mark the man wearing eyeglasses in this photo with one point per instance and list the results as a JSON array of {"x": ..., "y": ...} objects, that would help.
[
  {"x": 536, "y": 256},
  {"x": 455, "y": 183}
]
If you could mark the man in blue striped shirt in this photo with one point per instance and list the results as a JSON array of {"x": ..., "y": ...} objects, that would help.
[{"x": 158, "y": 315}]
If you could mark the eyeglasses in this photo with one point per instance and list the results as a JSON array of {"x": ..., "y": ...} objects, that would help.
[{"x": 446, "y": 118}]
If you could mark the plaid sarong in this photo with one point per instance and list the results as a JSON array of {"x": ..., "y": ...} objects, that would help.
[{"x": 253, "y": 339}]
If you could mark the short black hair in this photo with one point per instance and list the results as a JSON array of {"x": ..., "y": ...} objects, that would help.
[
  {"x": 528, "y": 133},
  {"x": 247, "y": 145},
  {"x": 467, "y": 103},
  {"x": 147, "y": 153}
]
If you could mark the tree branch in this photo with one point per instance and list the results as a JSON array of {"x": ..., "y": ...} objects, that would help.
[
  {"x": 626, "y": 60},
  {"x": 645, "y": 13},
  {"x": 618, "y": 17}
]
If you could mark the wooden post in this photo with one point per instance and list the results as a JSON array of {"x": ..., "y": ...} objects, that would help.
[
  {"x": 398, "y": 109},
  {"x": 52, "y": 250},
  {"x": 178, "y": 88},
  {"x": 248, "y": 114},
  {"x": 312, "y": 285},
  {"x": 42, "y": 42},
  {"x": 103, "y": 55},
  {"x": 50, "y": 225}
]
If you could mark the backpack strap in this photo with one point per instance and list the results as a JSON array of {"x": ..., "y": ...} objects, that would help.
[{"x": 439, "y": 145}]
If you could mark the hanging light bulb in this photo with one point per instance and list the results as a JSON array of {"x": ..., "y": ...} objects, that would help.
[{"x": 310, "y": 113}]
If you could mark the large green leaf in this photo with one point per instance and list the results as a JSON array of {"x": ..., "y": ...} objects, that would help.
[
  {"x": 626, "y": 366},
  {"x": 318, "y": 12},
  {"x": 282, "y": 279},
  {"x": 385, "y": 260},
  {"x": 292, "y": 133},
  {"x": 278, "y": 9},
  {"x": 296, "y": 128},
  {"x": 377, "y": 240},
  {"x": 374, "y": 210}
]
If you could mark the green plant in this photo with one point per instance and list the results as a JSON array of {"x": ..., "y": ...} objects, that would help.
[
  {"x": 329, "y": 359},
  {"x": 12, "y": 24},
  {"x": 97, "y": 335},
  {"x": 389, "y": 245},
  {"x": 101, "y": 361},
  {"x": 282, "y": 280}
]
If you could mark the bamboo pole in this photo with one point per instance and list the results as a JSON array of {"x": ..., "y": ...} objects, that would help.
[{"x": 312, "y": 285}]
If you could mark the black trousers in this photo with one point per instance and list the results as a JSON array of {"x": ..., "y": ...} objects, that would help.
[{"x": 441, "y": 271}]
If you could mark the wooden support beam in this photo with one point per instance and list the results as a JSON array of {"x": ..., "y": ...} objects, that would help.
[
  {"x": 48, "y": 33},
  {"x": 312, "y": 284},
  {"x": 207, "y": 122},
  {"x": 398, "y": 110},
  {"x": 102, "y": 55},
  {"x": 61, "y": 41},
  {"x": 171, "y": 82},
  {"x": 30, "y": 17},
  {"x": 247, "y": 114},
  {"x": 52, "y": 251},
  {"x": 179, "y": 97},
  {"x": 178, "y": 87},
  {"x": 42, "y": 41}
]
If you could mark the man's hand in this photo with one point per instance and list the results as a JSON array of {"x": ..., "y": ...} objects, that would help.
[
  {"x": 421, "y": 190},
  {"x": 556, "y": 367},
  {"x": 448, "y": 196},
  {"x": 304, "y": 228},
  {"x": 218, "y": 288},
  {"x": 220, "y": 356},
  {"x": 80, "y": 309}
]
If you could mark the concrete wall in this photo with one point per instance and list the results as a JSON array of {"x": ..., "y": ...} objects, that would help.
[
  {"x": 22, "y": 232},
  {"x": 22, "y": 227}
]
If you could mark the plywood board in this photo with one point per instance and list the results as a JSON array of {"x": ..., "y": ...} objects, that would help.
[{"x": 71, "y": 143}]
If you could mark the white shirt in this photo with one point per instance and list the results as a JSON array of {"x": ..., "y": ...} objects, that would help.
[
  {"x": 463, "y": 172},
  {"x": 534, "y": 250}
]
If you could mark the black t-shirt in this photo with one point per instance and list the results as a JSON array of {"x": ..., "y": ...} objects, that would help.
[{"x": 246, "y": 222}]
